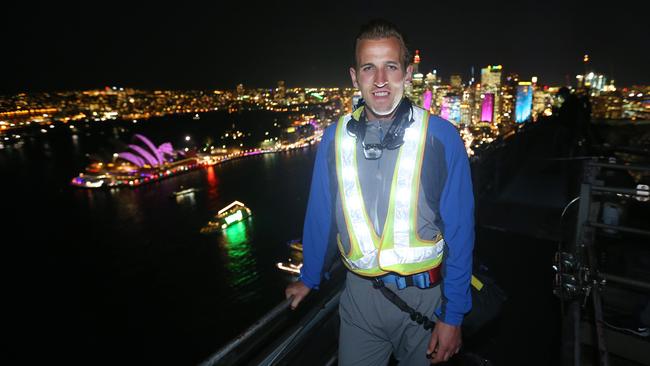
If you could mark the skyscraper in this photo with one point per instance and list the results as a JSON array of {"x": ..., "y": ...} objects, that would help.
[
  {"x": 466, "y": 105},
  {"x": 450, "y": 109},
  {"x": 417, "y": 89},
  {"x": 427, "y": 98},
  {"x": 491, "y": 77},
  {"x": 508, "y": 98},
  {"x": 416, "y": 62},
  {"x": 487, "y": 108},
  {"x": 491, "y": 84},
  {"x": 456, "y": 81},
  {"x": 541, "y": 103},
  {"x": 524, "y": 101}
]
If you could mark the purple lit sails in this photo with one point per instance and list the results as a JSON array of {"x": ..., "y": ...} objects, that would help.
[
  {"x": 131, "y": 158},
  {"x": 166, "y": 149},
  {"x": 151, "y": 147},
  {"x": 150, "y": 159},
  {"x": 151, "y": 156}
]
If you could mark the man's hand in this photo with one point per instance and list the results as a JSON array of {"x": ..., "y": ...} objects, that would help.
[
  {"x": 298, "y": 290},
  {"x": 445, "y": 342}
]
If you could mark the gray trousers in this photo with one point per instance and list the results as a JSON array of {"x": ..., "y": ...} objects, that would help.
[{"x": 372, "y": 327}]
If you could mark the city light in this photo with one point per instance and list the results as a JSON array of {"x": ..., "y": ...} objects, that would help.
[{"x": 499, "y": 99}]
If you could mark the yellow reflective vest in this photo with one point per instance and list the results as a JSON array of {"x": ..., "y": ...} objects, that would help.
[{"x": 399, "y": 249}]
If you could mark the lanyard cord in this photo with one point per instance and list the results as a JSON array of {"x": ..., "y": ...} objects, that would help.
[{"x": 416, "y": 316}]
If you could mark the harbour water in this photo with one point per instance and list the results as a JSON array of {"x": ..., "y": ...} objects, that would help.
[{"x": 124, "y": 276}]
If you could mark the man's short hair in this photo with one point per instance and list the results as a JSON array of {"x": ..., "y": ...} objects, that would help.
[{"x": 378, "y": 29}]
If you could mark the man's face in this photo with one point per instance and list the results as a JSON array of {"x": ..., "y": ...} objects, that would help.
[{"x": 380, "y": 75}]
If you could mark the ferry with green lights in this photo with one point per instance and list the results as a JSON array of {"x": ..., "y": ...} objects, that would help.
[{"x": 229, "y": 215}]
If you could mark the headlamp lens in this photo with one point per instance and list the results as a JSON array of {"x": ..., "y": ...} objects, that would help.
[{"x": 372, "y": 151}]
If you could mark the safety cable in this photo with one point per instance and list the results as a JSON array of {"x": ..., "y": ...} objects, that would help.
[{"x": 402, "y": 305}]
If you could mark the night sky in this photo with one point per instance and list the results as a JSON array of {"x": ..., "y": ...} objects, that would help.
[{"x": 58, "y": 46}]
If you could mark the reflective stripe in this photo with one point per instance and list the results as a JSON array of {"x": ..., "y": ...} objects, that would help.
[
  {"x": 409, "y": 255},
  {"x": 352, "y": 201},
  {"x": 405, "y": 166}
]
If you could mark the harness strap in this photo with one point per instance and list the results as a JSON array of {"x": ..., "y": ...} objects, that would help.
[{"x": 402, "y": 305}]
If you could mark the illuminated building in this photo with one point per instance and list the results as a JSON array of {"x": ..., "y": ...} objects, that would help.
[
  {"x": 491, "y": 77},
  {"x": 607, "y": 106},
  {"x": 416, "y": 62},
  {"x": 491, "y": 83},
  {"x": 466, "y": 107},
  {"x": 456, "y": 81},
  {"x": 524, "y": 101},
  {"x": 590, "y": 82},
  {"x": 416, "y": 89},
  {"x": 541, "y": 103},
  {"x": 418, "y": 80},
  {"x": 439, "y": 93},
  {"x": 431, "y": 84},
  {"x": 585, "y": 63},
  {"x": 427, "y": 97},
  {"x": 598, "y": 82},
  {"x": 476, "y": 100},
  {"x": 142, "y": 164},
  {"x": 148, "y": 154},
  {"x": 507, "y": 106},
  {"x": 280, "y": 92},
  {"x": 471, "y": 78},
  {"x": 508, "y": 97},
  {"x": 465, "y": 113},
  {"x": 431, "y": 79},
  {"x": 487, "y": 107},
  {"x": 450, "y": 109},
  {"x": 444, "y": 109}
]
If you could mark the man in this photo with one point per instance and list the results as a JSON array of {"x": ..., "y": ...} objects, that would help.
[{"x": 394, "y": 181}]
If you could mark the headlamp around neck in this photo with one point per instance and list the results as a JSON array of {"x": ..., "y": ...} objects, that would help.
[{"x": 373, "y": 144}]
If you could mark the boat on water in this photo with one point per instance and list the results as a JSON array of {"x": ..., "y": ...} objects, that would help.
[
  {"x": 183, "y": 192},
  {"x": 293, "y": 264},
  {"x": 229, "y": 215},
  {"x": 290, "y": 267}
]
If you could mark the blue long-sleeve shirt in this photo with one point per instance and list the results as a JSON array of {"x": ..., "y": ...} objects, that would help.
[{"x": 446, "y": 174}]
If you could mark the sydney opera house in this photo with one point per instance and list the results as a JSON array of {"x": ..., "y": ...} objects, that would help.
[{"x": 142, "y": 163}]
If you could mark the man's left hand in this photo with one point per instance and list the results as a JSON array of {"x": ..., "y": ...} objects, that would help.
[{"x": 445, "y": 342}]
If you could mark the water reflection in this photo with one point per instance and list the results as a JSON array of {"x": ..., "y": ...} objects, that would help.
[
  {"x": 241, "y": 264},
  {"x": 213, "y": 183},
  {"x": 75, "y": 144}
]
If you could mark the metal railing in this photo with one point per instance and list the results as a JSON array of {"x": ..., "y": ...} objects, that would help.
[
  {"x": 270, "y": 317},
  {"x": 580, "y": 282},
  {"x": 273, "y": 338}
]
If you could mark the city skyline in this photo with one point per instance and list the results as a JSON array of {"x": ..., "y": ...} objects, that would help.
[{"x": 55, "y": 47}]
